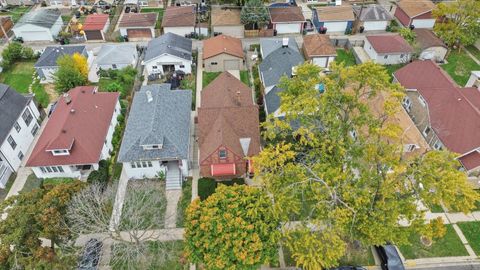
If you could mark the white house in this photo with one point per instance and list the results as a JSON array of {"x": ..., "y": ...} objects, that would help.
[
  {"x": 39, "y": 25},
  {"x": 113, "y": 57},
  {"x": 388, "y": 49},
  {"x": 333, "y": 19},
  {"x": 78, "y": 134},
  {"x": 168, "y": 53},
  {"x": 157, "y": 136},
  {"x": 19, "y": 123},
  {"x": 319, "y": 49},
  {"x": 474, "y": 80},
  {"x": 287, "y": 20}
]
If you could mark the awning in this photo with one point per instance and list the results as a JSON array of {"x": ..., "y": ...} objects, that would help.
[{"x": 223, "y": 169}]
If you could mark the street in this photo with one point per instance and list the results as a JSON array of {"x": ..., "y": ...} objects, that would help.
[{"x": 453, "y": 267}]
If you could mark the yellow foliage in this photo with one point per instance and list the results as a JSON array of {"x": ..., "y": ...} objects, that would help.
[{"x": 81, "y": 63}]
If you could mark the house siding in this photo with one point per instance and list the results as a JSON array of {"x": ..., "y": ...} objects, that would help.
[
  {"x": 240, "y": 164},
  {"x": 167, "y": 60},
  {"x": 220, "y": 60},
  {"x": 392, "y": 59}
]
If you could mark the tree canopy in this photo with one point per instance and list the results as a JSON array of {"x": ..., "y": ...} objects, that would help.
[
  {"x": 234, "y": 228},
  {"x": 343, "y": 172},
  {"x": 72, "y": 72},
  {"x": 254, "y": 14},
  {"x": 458, "y": 22}
]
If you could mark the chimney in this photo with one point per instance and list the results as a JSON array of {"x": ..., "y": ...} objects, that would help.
[
  {"x": 95, "y": 90},
  {"x": 285, "y": 42},
  {"x": 149, "y": 96},
  {"x": 67, "y": 98}
]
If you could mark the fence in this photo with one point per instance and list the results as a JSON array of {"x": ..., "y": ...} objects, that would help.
[{"x": 259, "y": 33}]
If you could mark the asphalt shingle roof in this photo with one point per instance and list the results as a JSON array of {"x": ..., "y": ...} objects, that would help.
[
  {"x": 269, "y": 45},
  {"x": 116, "y": 54},
  {"x": 372, "y": 13},
  {"x": 51, "y": 54},
  {"x": 171, "y": 44},
  {"x": 11, "y": 106},
  {"x": 164, "y": 120},
  {"x": 42, "y": 18},
  {"x": 279, "y": 63},
  {"x": 272, "y": 100}
]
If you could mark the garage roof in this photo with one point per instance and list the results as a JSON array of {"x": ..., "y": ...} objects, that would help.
[
  {"x": 224, "y": 17},
  {"x": 138, "y": 20},
  {"x": 95, "y": 22},
  {"x": 43, "y": 18}
]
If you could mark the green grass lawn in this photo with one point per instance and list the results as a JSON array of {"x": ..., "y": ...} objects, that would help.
[
  {"x": 345, "y": 56},
  {"x": 448, "y": 246},
  {"x": 57, "y": 181},
  {"x": 436, "y": 209},
  {"x": 189, "y": 82},
  {"x": 474, "y": 50},
  {"x": 392, "y": 68},
  {"x": 459, "y": 66},
  {"x": 245, "y": 77},
  {"x": 16, "y": 13},
  {"x": 208, "y": 77},
  {"x": 184, "y": 202},
  {"x": 32, "y": 183},
  {"x": 19, "y": 76},
  {"x": 41, "y": 95},
  {"x": 471, "y": 231}
]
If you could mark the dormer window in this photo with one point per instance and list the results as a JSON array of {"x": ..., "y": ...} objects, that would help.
[
  {"x": 222, "y": 154},
  {"x": 60, "y": 152}
]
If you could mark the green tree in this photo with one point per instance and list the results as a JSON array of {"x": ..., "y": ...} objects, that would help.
[
  {"x": 11, "y": 53},
  {"x": 69, "y": 74},
  {"x": 458, "y": 22},
  {"x": 233, "y": 229},
  {"x": 254, "y": 14},
  {"x": 408, "y": 35},
  {"x": 343, "y": 171}
]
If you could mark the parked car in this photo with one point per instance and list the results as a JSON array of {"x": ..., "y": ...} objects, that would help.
[
  {"x": 389, "y": 258},
  {"x": 91, "y": 255}
]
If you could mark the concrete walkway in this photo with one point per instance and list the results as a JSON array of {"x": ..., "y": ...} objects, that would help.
[
  {"x": 119, "y": 199},
  {"x": 472, "y": 56},
  {"x": 199, "y": 82},
  {"x": 173, "y": 196}
]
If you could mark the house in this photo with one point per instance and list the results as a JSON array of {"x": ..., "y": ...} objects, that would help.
[
  {"x": 228, "y": 129},
  {"x": 474, "y": 80},
  {"x": 223, "y": 53},
  {"x": 19, "y": 123},
  {"x": 78, "y": 134},
  {"x": 371, "y": 18},
  {"x": 287, "y": 20},
  {"x": 274, "y": 66},
  {"x": 318, "y": 49},
  {"x": 39, "y": 25},
  {"x": 431, "y": 46},
  {"x": 227, "y": 21},
  {"x": 113, "y": 56},
  {"x": 447, "y": 115},
  {"x": 157, "y": 136},
  {"x": 417, "y": 13},
  {"x": 46, "y": 65},
  {"x": 138, "y": 26},
  {"x": 168, "y": 53},
  {"x": 333, "y": 19},
  {"x": 95, "y": 26},
  {"x": 388, "y": 49},
  {"x": 182, "y": 21},
  {"x": 269, "y": 45}
]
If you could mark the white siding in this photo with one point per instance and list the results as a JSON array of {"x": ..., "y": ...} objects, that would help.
[
  {"x": 107, "y": 146},
  {"x": 288, "y": 28},
  {"x": 423, "y": 23},
  {"x": 140, "y": 173},
  {"x": 68, "y": 171},
  {"x": 336, "y": 26},
  {"x": 233, "y": 31},
  {"x": 167, "y": 59},
  {"x": 30, "y": 32},
  {"x": 323, "y": 61},
  {"x": 181, "y": 30},
  {"x": 375, "y": 25}
]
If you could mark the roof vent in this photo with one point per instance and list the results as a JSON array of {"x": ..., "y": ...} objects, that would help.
[
  {"x": 149, "y": 96},
  {"x": 72, "y": 111},
  {"x": 285, "y": 42},
  {"x": 64, "y": 131},
  {"x": 67, "y": 98}
]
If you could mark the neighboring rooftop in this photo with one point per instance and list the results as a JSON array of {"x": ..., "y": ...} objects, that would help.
[
  {"x": 138, "y": 20},
  {"x": 268, "y": 45},
  {"x": 279, "y": 63},
  {"x": 158, "y": 116},
  {"x": 225, "y": 17},
  {"x": 272, "y": 100},
  {"x": 116, "y": 54},
  {"x": 80, "y": 126},
  {"x": 226, "y": 91},
  {"x": 51, "y": 54},
  {"x": 41, "y": 17},
  {"x": 335, "y": 13},
  {"x": 12, "y": 105},
  {"x": 384, "y": 44},
  {"x": 415, "y": 8},
  {"x": 222, "y": 44},
  {"x": 171, "y": 44},
  {"x": 372, "y": 13},
  {"x": 427, "y": 39},
  {"x": 286, "y": 14},
  {"x": 179, "y": 16},
  {"x": 318, "y": 45},
  {"x": 95, "y": 22}
]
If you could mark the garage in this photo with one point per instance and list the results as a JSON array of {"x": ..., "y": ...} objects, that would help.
[
  {"x": 34, "y": 35},
  {"x": 375, "y": 26},
  {"x": 423, "y": 23},
  {"x": 39, "y": 25},
  {"x": 288, "y": 28},
  {"x": 336, "y": 26},
  {"x": 320, "y": 61},
  {"x": 139, "y": 33},
  {"x": 94, "y": 35},
  {"x": 231, "y": 64}
]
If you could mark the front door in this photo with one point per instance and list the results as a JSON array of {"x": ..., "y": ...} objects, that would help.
[{"x": 168, "y": 69}]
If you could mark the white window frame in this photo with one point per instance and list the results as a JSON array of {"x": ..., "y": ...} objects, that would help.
[
  {"x": 425, "y": 133},
  {"x": 422, "y": 101},
  {"x": 438, "y": 145}
]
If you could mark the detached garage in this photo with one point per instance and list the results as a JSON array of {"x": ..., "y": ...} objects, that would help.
[
  {"x": 333, "y": 19},
  {"x": 371, "y": 18},
  {"x": 39, "y": 25},
  {"x": 417, "y": 13},
  {"x": 227, "y": 21},
  {"x": 287, "y": 20},
  {"x": 96, "y": 26},
  {"x": 222, "y": 53},
  {"x": 138, "y": 26}
]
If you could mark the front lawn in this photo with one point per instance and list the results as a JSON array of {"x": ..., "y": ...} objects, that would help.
[
  {"x": 459, "y": 66},
  {"x": 32, "y": 183},
  {"x": 19, "y": 76},
  {"x": 448, "y": 246},
  {"x": 184, "y": 202},
  {"x": 208, "y": 77},
  {"x": 57, "y": 181},
  {"x": 346, "y": 57},
  {"x": 245, "y": 77},
  {"x": 471, "y": 231}
]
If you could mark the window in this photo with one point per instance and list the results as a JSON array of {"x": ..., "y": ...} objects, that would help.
[
  {"x": 182, "y": 66},
  {"x": 213, "y": 63},
  {"x": 54, "y": 169},
  {"x": 12, "y": 142},
  {"x": 144, "y": 164},
  {"x": 48, "y": 169},
  {"x": 17, "y": 127},
  {"x": 410, "y": 147},
  {"x": 133, "y": 165},
  {"x": 222, "y": 154},
  {"x": 402, "y": 55},
  {"x": 149, "y": 163},
  {"x": 385, "y": 57},
  {"x": 438, "y": 145},
  {"x": 34, "y": 130},
  {"x": 407, "y": 104},
  {"x": 60, "y": 152},
  {"x": 114, "y": 66},
  {"x": 60, "y": 168},
  {"x": 27, "y": 117},
  {"x": 426, "y": 131},
  {"x": 422, "y": 101},
  {"x": 43, "y": 169},
  {"x": 154, "y": 67},
  {"x": 20, "y": 155}
]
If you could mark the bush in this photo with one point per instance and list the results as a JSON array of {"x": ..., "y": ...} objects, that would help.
[
  {"x": 206, "y": 187},
  {"x": 237, "y": 181},
  {"x": 100, "y": 176}
]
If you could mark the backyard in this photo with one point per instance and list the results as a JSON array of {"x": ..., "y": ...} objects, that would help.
[
  {"x": 459, "y": 65},
  {"x": 208, "y": 77},
  {"x": 16, "y": 13},
  {"x": 345, "y": 56},
  {"x": 474, "y": 50}
]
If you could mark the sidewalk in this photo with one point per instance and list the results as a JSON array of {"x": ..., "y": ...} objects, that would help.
[{"x": 119, "y": 199}]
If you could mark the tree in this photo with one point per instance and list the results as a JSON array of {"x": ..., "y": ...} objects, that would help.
[
  {"x": 71, "y": 72},
  {"x": 233, "y": 229},
  {"x": 14, "y": 52},
  {"x": 408, "y": 35},
  {"x": 254, "y": 14},
  {"x": 342, "y": 173},
  {"x": 457, "y": 22}
]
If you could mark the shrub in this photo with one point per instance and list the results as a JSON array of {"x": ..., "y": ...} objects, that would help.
[
  {"x": 100, "y": 176},
  {"x": 206, "y": 187},
  {"x": 238, "y": 181}
]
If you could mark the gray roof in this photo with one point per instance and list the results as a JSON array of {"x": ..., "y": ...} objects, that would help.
[
  {"x": 41, "y": 17},
  {"x": 116, "y": 54},
  {"x": 268, "y": 45},
  {"x": 279, "y": 63},
  {"x": 372, "y": 13},
  {"x": 51, "y": 54},
  {"x": 12, "y": 105},
  {"x": 272, "y": 100},
  {"x": 169, "y": 43},
  {"x": 164, "y": 120}
]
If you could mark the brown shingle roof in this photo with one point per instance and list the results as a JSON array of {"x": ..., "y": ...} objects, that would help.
[
  {"x": 426, "y": 39},
  {"x": 138, "y": 20},
  {"x": 222, "y": 44},
  {"x": 226, "y": 91},
  {"x": 335, "y": 13},
  {"x": 415, "y": 8},
  {"x": 286, "y": 14},
  {"x": 389, "y": 44},
  {"x": 221, "y": 17},
  {"x": 179, "y": 16},
  {"x": 318, "y": 45}
]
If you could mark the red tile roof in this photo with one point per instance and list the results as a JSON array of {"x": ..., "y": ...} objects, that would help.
[
  {"x": 95, "y": 22},
  {"x": 384, "y": 44},
  {"x": 84, "y": 122},
  {"x": 222, "y": 44},
  {"x": 454, "y": 112}
]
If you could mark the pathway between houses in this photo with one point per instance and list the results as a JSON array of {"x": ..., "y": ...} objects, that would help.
[
  {"x": 119, "y": 199},
  {"x": 173, "y": 196}
]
